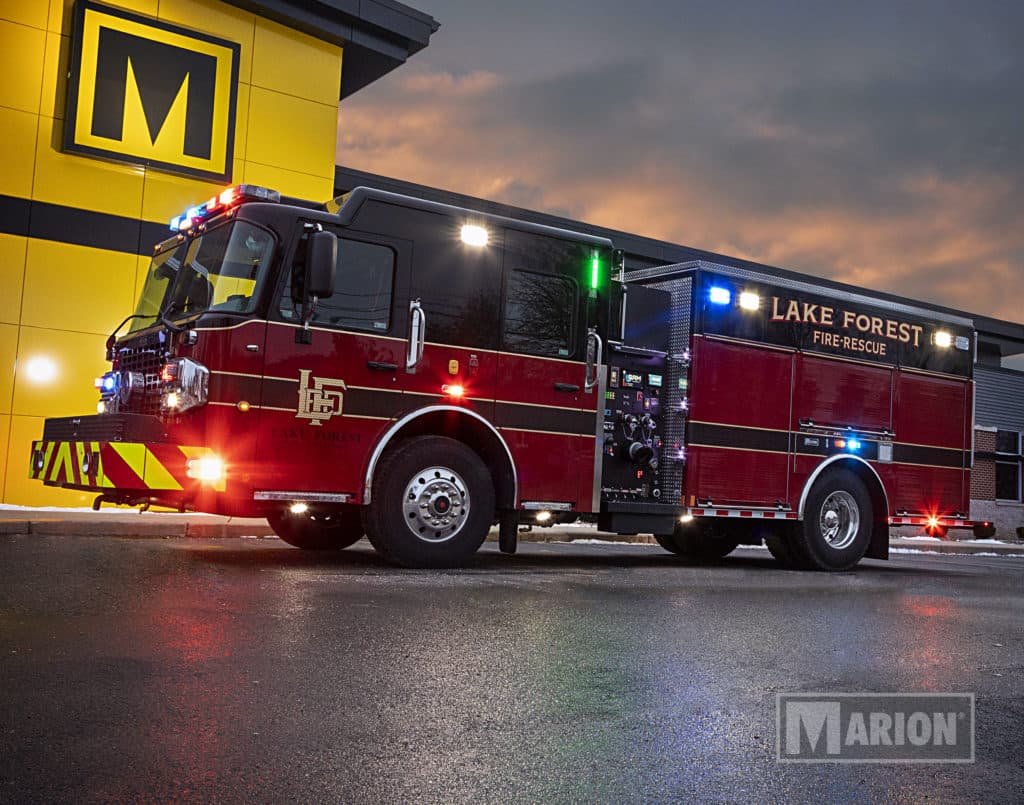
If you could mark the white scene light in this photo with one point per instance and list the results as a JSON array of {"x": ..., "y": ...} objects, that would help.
[
  {"x": 750, "y": 300},
  {"x": 474, "y": 235}
]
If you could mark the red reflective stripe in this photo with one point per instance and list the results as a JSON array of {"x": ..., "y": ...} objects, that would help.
[
  {"x": 769, "y": 515},
  {"x": 721, "y": 513},
  {"x": 791, "y": 516},
  {"x": 697, "y": 512},
  {"x": 48, "y": 469},
  {"x": 117, "y": 470},
  {"x": 746, "y": 514}
]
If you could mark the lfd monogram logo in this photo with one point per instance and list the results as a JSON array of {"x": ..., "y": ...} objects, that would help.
[{"x": 321, "y": 400}]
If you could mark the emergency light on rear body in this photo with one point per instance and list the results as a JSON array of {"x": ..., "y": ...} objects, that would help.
[{"x": 719, "y": 296}]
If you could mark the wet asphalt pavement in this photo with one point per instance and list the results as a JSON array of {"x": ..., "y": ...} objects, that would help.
[{"x": 242, "y": 670}]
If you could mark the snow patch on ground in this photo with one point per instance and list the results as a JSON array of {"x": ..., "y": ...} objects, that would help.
[{"x": 989, "y": 554}]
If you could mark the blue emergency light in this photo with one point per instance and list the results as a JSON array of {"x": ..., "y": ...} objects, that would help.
[{"x": 719, "y": 295}]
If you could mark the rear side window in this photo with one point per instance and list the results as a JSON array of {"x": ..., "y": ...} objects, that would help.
[
  {"x": 363, "y": 285},
  {"x": 540, "y": 314}
]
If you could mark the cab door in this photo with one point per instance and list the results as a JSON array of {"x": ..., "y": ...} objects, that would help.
[
  {"x": 330, "y": 391},
  {"x": 453, "y": 305},
  {"x": 544, "y": 409}
]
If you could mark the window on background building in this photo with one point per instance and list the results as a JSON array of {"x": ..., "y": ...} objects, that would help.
[{"x": 1008, "y": 465}]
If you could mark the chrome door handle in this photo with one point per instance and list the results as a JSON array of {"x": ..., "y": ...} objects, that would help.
[
  {"x": 417, "y": 336},
  {"x": 595, "y": 347}
]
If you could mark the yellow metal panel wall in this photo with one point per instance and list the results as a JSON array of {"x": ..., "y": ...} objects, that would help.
[
  {"x": 77, "y": 359},
  {"x": 32, "y": 14},
  {"x": 19, "y": 139},
  {"x": 88, "y": 286},
  {"x": 297, "y": 147},
  {"x": 76, "y": 181},
  {"x": 295, "y": 63},
  {"x": 8, "y": 358},
  {"x": 5, "y": 431},
  {"x": 21, "y": 55},
  {"x": 60, "y": 300},
  {"x": 301, "y": 185},
  {"x": 12, "y": 272}
]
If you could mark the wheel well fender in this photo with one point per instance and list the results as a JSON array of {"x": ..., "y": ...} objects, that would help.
[
  {"x": 461, "y": 424},
  {"x": 878, "y": 548}
]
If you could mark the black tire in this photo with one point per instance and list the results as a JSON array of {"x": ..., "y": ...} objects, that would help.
[
  {"x": 837, "y": 524},
  {"x": 318, "y": 529},
  {"x": 699, "y": 542},
  {"x": 432, "y": 504},
  {"x": 779, "y": 547},
  {"x": 984, "y": 531}
]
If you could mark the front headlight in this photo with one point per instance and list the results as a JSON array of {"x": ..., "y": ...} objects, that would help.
[{"x": 187, "y": 384}]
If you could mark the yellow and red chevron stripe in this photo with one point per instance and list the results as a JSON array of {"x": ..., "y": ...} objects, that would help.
[{"x": 116, "y": 465}]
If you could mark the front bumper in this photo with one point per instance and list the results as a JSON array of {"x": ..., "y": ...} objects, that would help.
[
  {"x": 108, "y": 467},
  {"x": 124, "y": 457}
]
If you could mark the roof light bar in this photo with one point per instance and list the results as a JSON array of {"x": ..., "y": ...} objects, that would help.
[{"x": 228, "y": 198}]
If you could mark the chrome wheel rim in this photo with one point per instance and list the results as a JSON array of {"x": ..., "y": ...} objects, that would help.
[
  {"x": 436, "y": 504},
  {"x": 839, "y": 520}
]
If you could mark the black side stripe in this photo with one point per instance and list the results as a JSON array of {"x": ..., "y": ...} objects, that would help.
[
  {"x": 934, "y": 456},
  {"x": 64, "y": 224},
  {"x": 780, "y": 441},
  {"x": 728, "y": 436},
  {"x": 367, "y": 402},
  {"x": 533, "y": 417}
]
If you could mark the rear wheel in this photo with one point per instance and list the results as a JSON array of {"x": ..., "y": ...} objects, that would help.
[
  {"x": 317, "y": 529},
  {"x": 838, "y": 519},
  {"x": 698, "y": 541},
  {"x": 432, "y": 505}
]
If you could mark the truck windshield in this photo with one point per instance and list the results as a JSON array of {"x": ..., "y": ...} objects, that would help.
[{"x": 223, "y": 269}]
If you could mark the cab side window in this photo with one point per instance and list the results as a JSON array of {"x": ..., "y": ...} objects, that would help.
[
  {"x": 542, "y": 294},
  {"x": 540, "y": 314},
  {"x": 363, "y": 287}
]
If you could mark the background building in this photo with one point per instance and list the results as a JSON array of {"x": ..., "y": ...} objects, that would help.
[{"x": 76, "y": 228}]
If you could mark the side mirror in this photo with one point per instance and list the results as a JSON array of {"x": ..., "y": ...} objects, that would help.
[{"x": 321, "y": 258}]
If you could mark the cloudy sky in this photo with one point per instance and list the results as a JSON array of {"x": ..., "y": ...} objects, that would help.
[{"x": 877, "y": 143}]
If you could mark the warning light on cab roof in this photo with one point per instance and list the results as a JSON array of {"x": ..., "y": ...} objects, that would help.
[{"x": 222, "y": 202}]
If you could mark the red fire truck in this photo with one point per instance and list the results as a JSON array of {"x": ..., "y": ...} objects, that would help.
[{"x": 417, "y": 372}]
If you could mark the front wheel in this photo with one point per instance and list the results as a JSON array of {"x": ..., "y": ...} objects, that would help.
[
  {"x": 432, "y": 505},
  {"x": 838, "y": 520},
  {"x": 315, "y": 529}
]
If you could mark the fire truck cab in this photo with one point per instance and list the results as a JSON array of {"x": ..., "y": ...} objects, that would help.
[{"x": 416, "y": 372}]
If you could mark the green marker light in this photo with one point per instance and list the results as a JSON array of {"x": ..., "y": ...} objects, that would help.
[{"x": 595, "y": 268}]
